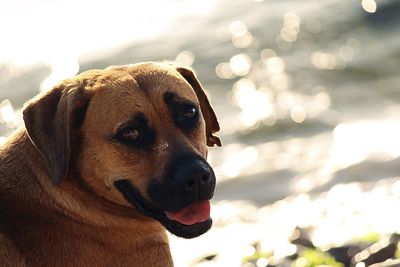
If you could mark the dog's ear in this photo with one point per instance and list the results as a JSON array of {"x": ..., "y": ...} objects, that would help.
[
  {"x": 50, "y": 120},
  {"x": 212, "y": 125}
]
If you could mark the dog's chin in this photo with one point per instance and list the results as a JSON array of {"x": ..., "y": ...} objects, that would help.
[{"x": 133, "y": 196}]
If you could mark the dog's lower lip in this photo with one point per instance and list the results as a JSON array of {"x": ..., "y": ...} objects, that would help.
[{"x": 178, "y": 228}]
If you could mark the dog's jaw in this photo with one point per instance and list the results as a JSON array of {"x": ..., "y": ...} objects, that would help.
[{"x": 133, "y": 196}]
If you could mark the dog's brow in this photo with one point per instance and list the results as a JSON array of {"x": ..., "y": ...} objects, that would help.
[
  {"x": 172, "y": 99},
  {"x": 136, "y": 119}
]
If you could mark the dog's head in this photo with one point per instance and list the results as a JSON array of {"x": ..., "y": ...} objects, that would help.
[{"x": 136, "y": 133}]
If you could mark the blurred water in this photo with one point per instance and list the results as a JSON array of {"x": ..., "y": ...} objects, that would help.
[
  {"x": 307, "y": 92},
  {"x": 303, "y": 90}
]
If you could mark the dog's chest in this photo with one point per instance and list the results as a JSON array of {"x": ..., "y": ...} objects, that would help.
[{"x": 80, "y": 245}]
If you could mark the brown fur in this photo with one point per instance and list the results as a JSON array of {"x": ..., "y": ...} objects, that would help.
[{"x": 58, "y": 206}]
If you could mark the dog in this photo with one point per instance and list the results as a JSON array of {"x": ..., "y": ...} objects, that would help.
[{"x": 106, "y": 162}]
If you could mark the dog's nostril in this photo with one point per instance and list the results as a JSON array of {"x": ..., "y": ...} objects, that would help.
[
  {"x": 190, "y": 183},
  {"x": 205, "y": 178},
  {"x": 195, "y": 176}
]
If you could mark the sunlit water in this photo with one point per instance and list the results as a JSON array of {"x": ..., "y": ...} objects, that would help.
[{"x": 306, "y": 93}]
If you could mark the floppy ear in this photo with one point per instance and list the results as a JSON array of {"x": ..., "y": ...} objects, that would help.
[
  {"x": 212, "y": 125},
  {"x": 50, "y": 120}
]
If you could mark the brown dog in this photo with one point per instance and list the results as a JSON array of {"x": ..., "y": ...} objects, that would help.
[{"x": 94, "y": 146}]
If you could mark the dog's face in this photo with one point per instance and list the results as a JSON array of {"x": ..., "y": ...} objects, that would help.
[{"x": 134, "y": 134}]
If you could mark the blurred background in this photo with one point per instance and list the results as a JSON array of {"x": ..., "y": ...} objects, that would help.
[{"x": 306, "y": 92}]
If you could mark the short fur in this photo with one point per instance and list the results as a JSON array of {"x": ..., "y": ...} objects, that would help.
[{"x": 58, "y": 203}]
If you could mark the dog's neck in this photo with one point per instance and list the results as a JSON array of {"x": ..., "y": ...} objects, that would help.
[
  {"x": 66, "y": 196},
  {"x": 69, "y": 199}
]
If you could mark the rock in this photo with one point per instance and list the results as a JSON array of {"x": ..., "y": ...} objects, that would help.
[
  {"x": 210, "y": 257},
  {"x": 378, "y": 252},
  {"x": 300, "y": 236},
  {"x": 345, "y": 253},
  {"x": 388, "y": 263}
]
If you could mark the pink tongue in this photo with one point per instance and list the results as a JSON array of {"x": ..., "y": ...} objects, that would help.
[{"x": 194, "y": 213}]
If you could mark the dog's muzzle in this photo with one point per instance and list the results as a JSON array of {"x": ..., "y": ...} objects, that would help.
[{"x": 180, "y": 200}]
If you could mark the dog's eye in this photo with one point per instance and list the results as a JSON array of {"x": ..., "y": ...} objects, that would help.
[
  {"x": 187, "y": 117},
  {"x": 129, "y": 134},
  {"x": 189, "y": 113},
  {"x": 135, "y": 133}
]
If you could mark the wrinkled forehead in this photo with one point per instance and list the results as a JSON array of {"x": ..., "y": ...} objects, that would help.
[
  {"x": 121, "y": 92},
  {"x": 154, "y": 80}
]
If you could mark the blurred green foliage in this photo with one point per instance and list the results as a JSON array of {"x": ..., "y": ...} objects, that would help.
[
  {"x": 257, "y": 255},
  {"x": 307, "y": 258},
  {"x": 371, "y": 237},
  {"x": 314, "y": 258}
]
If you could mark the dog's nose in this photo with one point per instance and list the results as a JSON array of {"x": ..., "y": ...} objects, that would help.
[{"x": 196, "y": 177}]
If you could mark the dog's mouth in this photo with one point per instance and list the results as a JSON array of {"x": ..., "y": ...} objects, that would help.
[{"x": 188, "y": 222}]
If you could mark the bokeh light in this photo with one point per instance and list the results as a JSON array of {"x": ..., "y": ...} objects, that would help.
[
  {"x": 369, "y": 5},
  {"x": 224, "y": 71},
  {"x": 298, "y": 114},
  {"x": 323, "y": 60},
  {"x": 185, "y": 58},
  {"x": 240, "y": 64}
]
